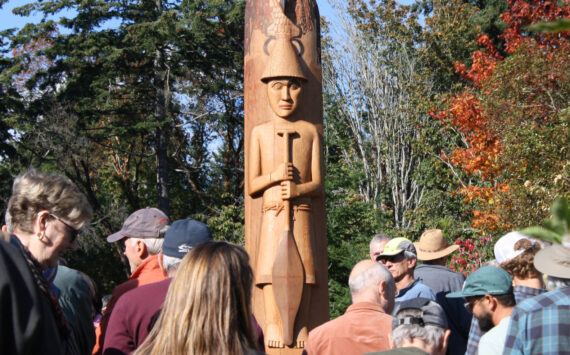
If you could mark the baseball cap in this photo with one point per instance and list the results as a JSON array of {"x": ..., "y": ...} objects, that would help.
[
  {"x": 148, "y": 222},
  {"x": 183, "y": 235},
  {"x": 505, "y": 247},
  {"x": 432, "y": 313},
  {"x": 396, "y": 246},
  {"x": 488, "y": 280}
]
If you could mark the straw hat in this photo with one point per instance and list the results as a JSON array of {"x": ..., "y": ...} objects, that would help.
[
  {"x": 554, "y": 260},
  {"x": 432, "y": 245}
]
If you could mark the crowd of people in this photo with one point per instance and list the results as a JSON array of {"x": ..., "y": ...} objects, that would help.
[{"x": 189, "y": 294}]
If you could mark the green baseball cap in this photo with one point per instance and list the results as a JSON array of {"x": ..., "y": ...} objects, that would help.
[
  {"x": 488, "y": 280},
  {"x": 396, "y": 246}
]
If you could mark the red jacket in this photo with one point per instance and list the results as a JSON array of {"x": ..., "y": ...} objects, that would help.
[{"x": 149, "y": 271}]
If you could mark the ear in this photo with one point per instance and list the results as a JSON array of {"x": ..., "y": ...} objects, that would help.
[
  {"x": 382, "y": 289},
  {"x": 492, "y": 302},
  {"x": 444, "y": 341},
  {"x": 40, "y": 222},
  {"x": 412, "y": 262},
  {"x": 140, "y": 249}
]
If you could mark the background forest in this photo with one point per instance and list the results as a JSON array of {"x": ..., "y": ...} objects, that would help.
[{"x": 443, "y": 114}]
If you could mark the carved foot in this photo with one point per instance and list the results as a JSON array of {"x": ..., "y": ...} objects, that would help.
[
  {"x": 302, "y": 338},
  {"x": 273, "y": 336}
]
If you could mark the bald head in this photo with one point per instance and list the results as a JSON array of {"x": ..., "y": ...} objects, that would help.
[{"x": 370, "y": 281}]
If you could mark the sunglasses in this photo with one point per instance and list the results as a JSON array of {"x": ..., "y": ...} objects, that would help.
[
  {"x": 393, "y": 259},
  {"x": 74, "y": 233},
  {"x": 470, "y": 304}
]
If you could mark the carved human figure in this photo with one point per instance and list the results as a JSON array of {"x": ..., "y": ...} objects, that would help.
[{"x": 296, "y": 180}]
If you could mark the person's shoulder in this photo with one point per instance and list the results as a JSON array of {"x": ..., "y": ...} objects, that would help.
[
  {"x": 422, "y": 290},
  {"x": 262, "y": 127},
  {"x": 547, "y": 299},
  {"x": 307, "y": 126},
  {"x": 69, "y": 276},
  {"x": 145, "y": 291}
]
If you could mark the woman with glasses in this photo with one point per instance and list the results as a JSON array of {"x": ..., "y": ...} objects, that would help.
[{"x": 47, "y": 213}]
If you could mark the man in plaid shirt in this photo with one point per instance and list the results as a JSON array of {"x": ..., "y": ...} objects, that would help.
[
  {"x": 515, "y": 253},
  {"x": 541, "y": 325}
]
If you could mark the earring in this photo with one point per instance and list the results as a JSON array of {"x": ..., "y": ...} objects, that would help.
[{"x": 41, "y": 236}]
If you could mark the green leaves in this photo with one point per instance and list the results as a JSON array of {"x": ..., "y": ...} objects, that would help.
[
  {"x": 555, "y": 228},
  {"x": 548, "y": 27}
]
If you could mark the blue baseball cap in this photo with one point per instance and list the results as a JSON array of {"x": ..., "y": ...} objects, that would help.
[{"x": 183, "y": 235}]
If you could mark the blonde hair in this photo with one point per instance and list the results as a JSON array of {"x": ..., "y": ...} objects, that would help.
[
  {"x": 207, "y": 309},
  {"x": 522, "y": 266},
  {"x": 35, "y": 191}
]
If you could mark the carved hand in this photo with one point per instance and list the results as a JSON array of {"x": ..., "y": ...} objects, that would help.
[
  {"x": 288, "y": 190},
  {"x": 283, "y": 172}
]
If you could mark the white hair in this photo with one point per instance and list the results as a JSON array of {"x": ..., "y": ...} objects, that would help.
[
  {"x": 556, "y": 282},
  {"x": 170, "y": 263},
  {"x": 429, "y": 334},
  {"x": 153, "y": 245},
  {"x": 370, "y": 279}
]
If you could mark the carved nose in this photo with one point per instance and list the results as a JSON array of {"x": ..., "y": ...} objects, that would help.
[{"x": 285, "y": 93}]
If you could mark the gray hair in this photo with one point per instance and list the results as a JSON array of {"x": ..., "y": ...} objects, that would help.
[
  {"x": 556, "y": 282},
  {"x": 170, "y": 263},
  {"x": 371, "y": 278},
  {"x": 430, "y": 334},
  {"x": 153, "y": 245},
  {"x": 409, "y": 255},
  {"x": 380, "y": 238}
]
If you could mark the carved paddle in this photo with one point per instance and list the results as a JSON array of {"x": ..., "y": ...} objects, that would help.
[{"x": 287, "y": 273}]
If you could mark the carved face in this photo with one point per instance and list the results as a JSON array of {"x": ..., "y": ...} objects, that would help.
[{"x": 284, "y": 95}]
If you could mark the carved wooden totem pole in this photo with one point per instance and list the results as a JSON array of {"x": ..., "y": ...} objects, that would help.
[{"x": 285, "y": 210}]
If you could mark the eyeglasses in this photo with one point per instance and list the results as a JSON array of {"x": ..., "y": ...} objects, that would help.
[
  {"x": 470, "y": 304},
  {"x": 74, "y": 233}
]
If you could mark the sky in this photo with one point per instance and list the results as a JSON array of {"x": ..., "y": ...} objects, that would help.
[{"x": 9, "y": 20}]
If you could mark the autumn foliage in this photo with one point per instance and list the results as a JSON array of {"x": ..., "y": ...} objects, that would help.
[{"x": 511, "y": 117}]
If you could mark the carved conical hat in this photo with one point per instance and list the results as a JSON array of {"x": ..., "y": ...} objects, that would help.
[{"x": 283, "y": 61}]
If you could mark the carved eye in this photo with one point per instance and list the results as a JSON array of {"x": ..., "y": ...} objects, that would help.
[
  {"x": 278, "y": 86},
  {"x": 294, "y": 86}
]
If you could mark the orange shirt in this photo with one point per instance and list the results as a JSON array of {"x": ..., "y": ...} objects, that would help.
[
  {"x": 149, "y": 271},
  {"x": 363, "y": 328}
]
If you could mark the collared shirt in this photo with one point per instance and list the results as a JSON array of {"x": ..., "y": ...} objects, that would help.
[
  {"x": 521, "y": 293},
  {"x": 541, "y": 325},
  {"x": 414, "y": 290},
  {"x": 493, "y": 342},
  {"x": 363, "y": 328}
]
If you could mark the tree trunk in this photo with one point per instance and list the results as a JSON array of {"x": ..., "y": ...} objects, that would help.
[{"x": 161, "y": 115}]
